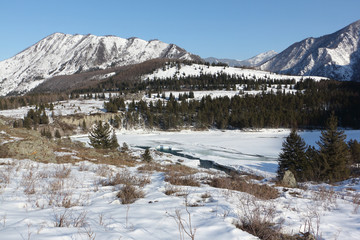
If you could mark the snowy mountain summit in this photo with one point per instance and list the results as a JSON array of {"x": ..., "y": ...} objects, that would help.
[
  {"x": 336, "y": 56},
  {"x": 65, "y": 54},
  {"x": 251, "y": 62}
]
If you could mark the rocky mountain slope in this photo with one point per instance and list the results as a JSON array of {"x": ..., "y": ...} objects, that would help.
[
  {"x": 251, "y": 62},
  {"x": 336, "y": 56},
  {"x": 65, "y": 54}
]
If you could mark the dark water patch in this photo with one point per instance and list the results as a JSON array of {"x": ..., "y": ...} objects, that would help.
[{"x": 207, "y": 164}]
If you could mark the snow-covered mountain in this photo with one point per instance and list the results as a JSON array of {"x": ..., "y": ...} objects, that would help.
[
  {"x": 65, "y": 54},
  {"x": 336, "y": 56},
  {"x": 251, "y": 62}
]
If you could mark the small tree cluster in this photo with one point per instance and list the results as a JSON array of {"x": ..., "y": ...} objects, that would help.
[
  {"x": 35, "y": 117},
  {"x": 46, "y": 133},
  {"x": 330, "y": 163},
  {"x": 114, "y": 104},
  {"x": 102, "y": 137}
]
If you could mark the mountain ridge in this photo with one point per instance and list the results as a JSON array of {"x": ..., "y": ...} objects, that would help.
[
  {"x": 335, "y": 55},
  {"x": 251, "y": 62},
  {"x": 64, "y": 54}
]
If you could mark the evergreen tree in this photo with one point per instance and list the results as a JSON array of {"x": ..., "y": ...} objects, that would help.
[
  {"x": 293, "y": 157},
  {"x": 125, "y": 147},
  {"x": 100, "y": 136},
  {"x": 27, "y": 122},
  {"x": 57, "y": 134},
  {"x": 354, "y": 147},
  {"x": 146, "y": 156},
  {"x": 334, "y": 153}
]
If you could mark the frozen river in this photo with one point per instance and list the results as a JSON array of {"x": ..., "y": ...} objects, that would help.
[{"x": 254, "y": 151}]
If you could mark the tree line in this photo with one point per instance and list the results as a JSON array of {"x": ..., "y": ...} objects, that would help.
[{"x": 307, "y": 109}]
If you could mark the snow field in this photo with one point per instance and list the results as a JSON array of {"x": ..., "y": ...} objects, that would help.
[
  {"x": 37, "y": 198},
  {"x": 50, "y": 201},
  {"x": 198, "y": 69}
]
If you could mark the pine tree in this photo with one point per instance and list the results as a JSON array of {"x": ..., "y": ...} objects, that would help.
[
  {"x": 146, "y": 156},
  {"x": 293, "y": 157},
  {"x": 354, "y": 147},
  {"x": 334, "y": 153},
  {"x": 57, "y": 134},
  {"x": 100, "y": 136}
]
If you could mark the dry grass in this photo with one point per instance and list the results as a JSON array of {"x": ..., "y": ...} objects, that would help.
[
  {"x": 31, "y": 145},
  {"x": 260, "y": 191},
  {"x": 325, "y": 197},
  {"x": 62, "y": 171},
  {"x": 179, "y": 179},
  {"x": 124, "y": 177},
  {"x": 68, "y": 218},
  {"x": 170, "y": 189},
  {"x": 356, "y": 202},
  {"x": 129, "y": 194},
  {"x": 257, "y": 218},
  {"x": 151, "y": 167}
]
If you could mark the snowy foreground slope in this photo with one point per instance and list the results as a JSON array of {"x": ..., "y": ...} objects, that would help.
[
  {"x": 65, "y": 54},
  {"x": 70, "y": 201}
]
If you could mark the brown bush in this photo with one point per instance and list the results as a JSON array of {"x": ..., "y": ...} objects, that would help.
[
  {"x": 239, "y": 184},
  {"x": 170, "y": 190},
  {"x": 178, "y": 179},
  {"x": 126, "y": 178},
  {"x": 129, "y": 194}
]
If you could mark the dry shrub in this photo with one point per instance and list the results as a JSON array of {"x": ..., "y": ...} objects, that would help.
[
  {"x": 178, "y": 174},
  {"x": 104, "y": 171},
  {"x": 56, "y": 186},
  {"x": 126, "y": 178},
  {"x": 205, "y": 195},
  {"x": 170, "y": 189},
  {"x": 178, "y": 168},
  {"x": 64, "y": 199},
  {"x": 326, "y": 197},
  {"x": 257, "y": 218},
  {"x": 129, "y": 194},
  {"x": 239, "y": 184},
  {"x": 179, "y": 179},
  {"x": 29, "y": 181},
  {"x": 151, "y": 167},
  {"x": 83, "y": 167},
  {"x": 356, "y": 202},
  {"x": 62, "y": 171},
  {"x": 5, "y": 175},
  {"x": 69, "y": 219}
]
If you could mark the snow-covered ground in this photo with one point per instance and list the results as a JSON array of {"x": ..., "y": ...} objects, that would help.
[
  {"x": 36, "y": 197},
  {"x": 198, "y": 69},
  {"x": 62, "y": 108}
]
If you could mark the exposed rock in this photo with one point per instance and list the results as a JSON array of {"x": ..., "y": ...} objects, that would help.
[{"x": 289, "y": 180}]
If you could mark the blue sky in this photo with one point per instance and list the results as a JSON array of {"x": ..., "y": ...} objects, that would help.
[{"x": 223, "y": 28}]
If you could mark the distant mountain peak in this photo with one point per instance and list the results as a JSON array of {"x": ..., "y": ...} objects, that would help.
[
  {"x": 65, "y": 54},
  {"x": 335, "y": 55},
  {"x": 251, "y": 62}
]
